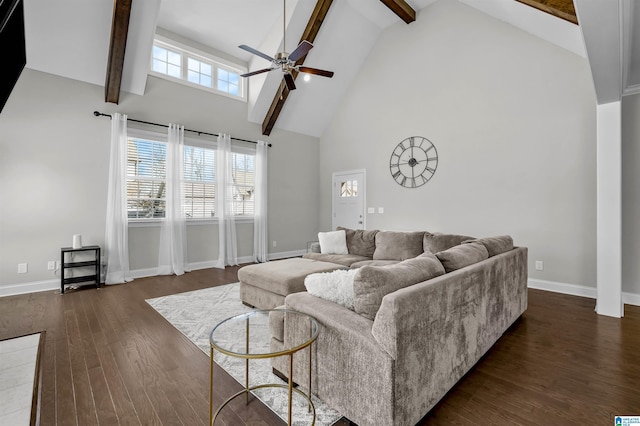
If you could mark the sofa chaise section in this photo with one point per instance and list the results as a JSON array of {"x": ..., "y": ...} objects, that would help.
[{"x": 265, "y": 285}]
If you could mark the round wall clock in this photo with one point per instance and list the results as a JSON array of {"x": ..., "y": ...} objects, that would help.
[{"x": 413, "y": 162}]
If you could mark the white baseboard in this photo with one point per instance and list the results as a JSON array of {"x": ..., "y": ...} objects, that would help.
[
  {"x": 143, "y": 273},
  {"x": 578, "y": 290},
  {"x": 558, "y": 287},
  {"x": 152, "y": 272},
  {"x": 554, "y": 286},
  {"x": 631, "y": 298},
  {"x": 47, "y": 285},
  {"x": 33, "y": 287},
  {"x": 286, "y": 254}
]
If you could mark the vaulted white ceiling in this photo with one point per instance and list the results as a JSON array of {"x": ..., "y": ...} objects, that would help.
[{"x": 71, "y": 38}]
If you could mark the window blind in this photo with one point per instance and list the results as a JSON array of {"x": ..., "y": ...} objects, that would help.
[{"x": 146, "y": 181}]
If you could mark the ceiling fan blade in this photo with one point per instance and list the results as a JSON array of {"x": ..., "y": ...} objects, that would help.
[
  {"x": 288, "y": 79},
  {"x": 316, "y": 71},
  {"x": 256, "y": 52},
  {"x": 303, "y": 48},
  {"x": 249, "y": 74}
]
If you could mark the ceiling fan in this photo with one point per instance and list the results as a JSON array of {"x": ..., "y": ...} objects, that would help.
[{"x": 286, "y": 61}]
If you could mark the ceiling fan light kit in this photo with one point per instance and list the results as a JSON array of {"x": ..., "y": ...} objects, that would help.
[{"x": 285, "y": 61}]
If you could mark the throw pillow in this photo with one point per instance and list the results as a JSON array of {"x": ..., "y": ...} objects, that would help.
[
  {"x": 334, "y": 242},
  {"x": 372, "y": 283},
  {"x": 438, "y": 242},
  {"x": 462, "y": 255},
  {"x": 335, "y": 286},
  {"x": 360, "y": 241},
  {"x": 392, "y": 245},
  {"x": 495, "y": 245}
]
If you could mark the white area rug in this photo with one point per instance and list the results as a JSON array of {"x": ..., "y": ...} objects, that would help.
[
  {"x": 17, "y": 372},
  {"x": 195, "y": 313}
]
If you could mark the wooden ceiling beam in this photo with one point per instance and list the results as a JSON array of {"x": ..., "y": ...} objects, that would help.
[
  {"x": 117, "y": 46},
  {"x": 402, "y": 9},
  {"x": 563, "y": 9},
  {"x": 310, "y": 32}
]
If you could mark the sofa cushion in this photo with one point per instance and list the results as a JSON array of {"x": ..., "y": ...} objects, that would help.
[
  {"x": 340, "y": 259},
  {"x": 392, "y": 245},
  {"x": 495, "y": 245},
  {"x": 336, "y": 286},
  {"x": 360, "y": 241},
  {"x": 438, "y": 242},
  {"x": 374, "y": 263},
  {"x": 458, "y": 257},
  {"x": 372, "y": 283}
]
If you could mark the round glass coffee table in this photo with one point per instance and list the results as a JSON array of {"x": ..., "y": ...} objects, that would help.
[{"x": 247, "y": 336}]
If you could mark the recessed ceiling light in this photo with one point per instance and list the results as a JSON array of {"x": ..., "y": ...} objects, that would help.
[{"x": 306, "y": 77}]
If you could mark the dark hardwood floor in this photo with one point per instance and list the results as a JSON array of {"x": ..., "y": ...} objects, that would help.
[{"x": 110, "y": 359}]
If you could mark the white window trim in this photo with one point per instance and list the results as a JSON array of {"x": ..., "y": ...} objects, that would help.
[
  {"x": 202, "y": 56},
  {"x": 156, "y": 223},
  {"x": 202, "y": 143}
]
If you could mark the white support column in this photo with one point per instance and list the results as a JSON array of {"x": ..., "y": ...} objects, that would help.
[{"x": 609, "y": 208}]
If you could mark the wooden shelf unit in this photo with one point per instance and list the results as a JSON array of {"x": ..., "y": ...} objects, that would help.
[{"x": 66, "y": 264}]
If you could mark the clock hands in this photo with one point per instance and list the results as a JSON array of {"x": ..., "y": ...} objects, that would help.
[{"x": 412, "y": 162}]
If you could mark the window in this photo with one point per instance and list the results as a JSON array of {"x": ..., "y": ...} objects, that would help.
[
  {"x": 146, "y": 178},
  {"x": 167, "y": 62},
  {"x": 146, "y": 181},
  {"x": 199, "y": 72},
  {"x": 199, "y": 182},
  {"x": 349, "y": 188},
  {"x": 181, "y": 64},
  {"x": 243, "y": 173},
  {"x": 228, "y": 81}
]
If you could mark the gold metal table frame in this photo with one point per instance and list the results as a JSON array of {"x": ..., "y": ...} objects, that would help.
[{"x": 247, "y": 355}]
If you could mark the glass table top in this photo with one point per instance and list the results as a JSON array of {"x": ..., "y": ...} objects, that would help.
[{"x": 248, "y": 335}]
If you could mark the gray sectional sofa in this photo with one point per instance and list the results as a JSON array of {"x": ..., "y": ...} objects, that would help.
[{"x": 422, "y": 316}]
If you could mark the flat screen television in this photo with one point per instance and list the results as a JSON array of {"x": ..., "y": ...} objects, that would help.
[{"x": 12, "y": 46}]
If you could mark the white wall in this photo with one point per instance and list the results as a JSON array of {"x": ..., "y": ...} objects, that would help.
[
  {"x": 631, "y": 194},
  {"x": 54, "y": 157},
  {"x": 513, "y": 119}
]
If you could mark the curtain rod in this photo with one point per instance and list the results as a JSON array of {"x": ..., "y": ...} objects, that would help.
[{"x": 100, "y": 114}]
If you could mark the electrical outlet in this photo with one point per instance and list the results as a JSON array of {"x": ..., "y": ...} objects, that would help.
[
  {"x": 539, "y": 265},
  {"x": 380, "y": 210},
  {"x": 274, "y": 243},
  {"x": 23, "y": 268},
  {"x": 371, "y": 210},
  {"x": 51, "y": 265},
  {"x": 57, "y": 265}
]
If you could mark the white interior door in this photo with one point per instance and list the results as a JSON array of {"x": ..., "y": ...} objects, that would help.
[{"x": 349, "y": 199}]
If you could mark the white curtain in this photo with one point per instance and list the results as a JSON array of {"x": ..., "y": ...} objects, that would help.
[
  {"x": 116, "y": 237},
  {"x": 260, "y": 238},
  {"x": 228, "y": 246},
  {"x": 172, "y": 257}
]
